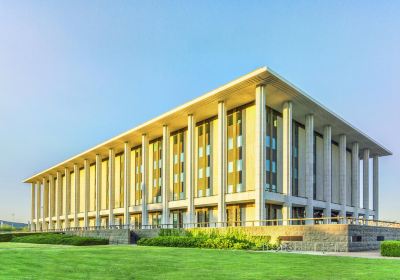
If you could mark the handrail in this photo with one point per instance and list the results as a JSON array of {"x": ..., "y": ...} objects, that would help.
[{"x": 271, "y": 222}]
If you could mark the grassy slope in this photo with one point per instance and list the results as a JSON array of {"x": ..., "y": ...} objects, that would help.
[{"x": 32, "y": 261}]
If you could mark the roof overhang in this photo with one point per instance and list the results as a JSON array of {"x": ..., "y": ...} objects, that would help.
[{"x": 235, "y": 93}]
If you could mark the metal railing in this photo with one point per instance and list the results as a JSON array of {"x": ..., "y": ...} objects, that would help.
[{"x": 255, "y": 223}]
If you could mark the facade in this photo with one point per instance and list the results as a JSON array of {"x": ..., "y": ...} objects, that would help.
[{"x": 252, "y": 152}]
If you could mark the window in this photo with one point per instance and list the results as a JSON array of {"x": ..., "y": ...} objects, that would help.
[
  {"x": 157, "y": 170},
  {"x": 235, "y": 151},
  {"x": 201, "y": 173},
  {"x": 230, "y": 167},
  {"x": 179, "y": 165},
  {"x": 271, "y": 149}
]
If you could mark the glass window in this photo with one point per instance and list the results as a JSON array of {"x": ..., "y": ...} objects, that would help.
[
  {"x": 207, "y": 171},
  {"x": 239, "y": 165},
  {"x": 274, "y": 143},
  {"x": 182, "y": 157},
  {"x": 200, "y": 151},
  {"x": 273, "y": 166},
  {"x": 182, "y": 177},
  {"x": 175, "y": 178},
  {"x": 267, "y": 165},
  {"x": 230, "y": 167},
  {"x": 239, "y": 141},
  {"x": 175, "y": 159},
  {"x": 230, "y": 143},
  {"x": 200, "y": 173},
  {"x": 208, "y": 148}
]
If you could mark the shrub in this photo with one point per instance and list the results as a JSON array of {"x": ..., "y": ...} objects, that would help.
[
  {"x": 7, "y": 237},
  {"x": 172, "y": 232},
  {"x": 171, "y": 241},
  {"x": 60, "y": 239},
  {"x": 390, "y": 248},
  {"x": 6, "y": 228}
]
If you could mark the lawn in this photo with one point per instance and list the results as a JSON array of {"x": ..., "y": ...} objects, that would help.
[{"x": 32, "y": 261}]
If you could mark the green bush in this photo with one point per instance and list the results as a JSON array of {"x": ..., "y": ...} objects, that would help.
[
  {"x": 60, "y": 239},
  {"x": 171, "y": 241},
  {"x": 390, "y": 248},
  {"x": 6, "y": 228},
  {"x": 7, "y": 237}
]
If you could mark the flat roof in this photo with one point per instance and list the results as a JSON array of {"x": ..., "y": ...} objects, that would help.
[{"x": 235, "y": 93}]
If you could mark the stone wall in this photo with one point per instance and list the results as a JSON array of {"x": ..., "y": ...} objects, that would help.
[
  {"x": 115, "y": 236},
  {"x": 369, "y": 236},
  {"x": 330, "y": 238}
]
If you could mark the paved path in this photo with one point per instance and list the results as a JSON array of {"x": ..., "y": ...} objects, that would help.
[{"x": 365, "y": 254}]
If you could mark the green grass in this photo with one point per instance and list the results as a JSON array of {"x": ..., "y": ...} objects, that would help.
[{"x": 34, "y": 261}]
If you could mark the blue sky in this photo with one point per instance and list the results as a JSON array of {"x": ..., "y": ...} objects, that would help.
[{"x": 74, "y": 73}]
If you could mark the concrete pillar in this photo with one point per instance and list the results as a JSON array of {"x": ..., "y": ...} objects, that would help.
[
  {"x": 355, "y": 179},
  {"x": 52, "y": 202},
  {"x": 342, "y": 176},
  {"x": 375, "y": 186},
  {"x": 221, "y": 158},
  {"x": 328, "y": 171},
  {"x": 58, "y": 200},
  {"x": 261, "y": 119},
  {"x": 366, "y": 182},
  {"x": 67, "y": 197},
  {"x": 287, "y": 161},
  {"x": 127, "y": 182},
  {"x": 77, "y": 195},
  {"x": 111, "y": 185},
  {"x": 86, "y": 166},
  {"x": 190, "y": 170},
  {"x": 45, "y": 213},
  {"x": 33, "y": 208},
  {"x": 98, "y": 190},
  {"x": 165, "y": 174},
  {"x": 38, "y": 205},
  {"x": 145, "y": 147},
  {"x": 310, "y": 168}
]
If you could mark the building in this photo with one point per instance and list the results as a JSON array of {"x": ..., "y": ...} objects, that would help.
[{"x": 255, "y": 149}]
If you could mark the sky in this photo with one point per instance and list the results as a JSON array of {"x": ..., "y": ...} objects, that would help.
[{"x": 76, "y": 73}]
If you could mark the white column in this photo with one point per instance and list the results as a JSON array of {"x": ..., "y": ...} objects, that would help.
[
  {"x": 77, "y": 195},
  {"x": 86, "y": 166},
  {"x": 165, "y": 174},
  {"x": 52, "y": 202},
  {"x": 111, "y": 186},
  {"x": 366, "y": 182},
  {"x": 190, "y": 170},
  {"x": 58, "y": 200},
  {"x": 127, "y": 182},
  {"x": 355, "y": 179},
  {"x": 38, "y": 205},
  {"x": 310, "y": 168},
  {"x": 261, "y": 119},
  {"x": 67, "y": 197},
  {"x": 98, "y": 190},
  {"x": 328, "y": 171},
  {"x": 375, "y": 187},
  {"x": 221, "y": 158},
  {"x": 287, "y": 161},
  {"x": 33, "y": 209},
  {"x": 342, "y": 175},
  {"x": 145, "y": 146},
  {"x": 45, "y": 213}
]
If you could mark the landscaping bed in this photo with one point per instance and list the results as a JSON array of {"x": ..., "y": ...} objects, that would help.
[
  {"x": 52, "y": 238},
  {"x": 231, "y": 239},
  {"x": 390, "y": 248}
]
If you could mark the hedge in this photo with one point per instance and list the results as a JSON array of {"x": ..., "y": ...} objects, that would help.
[
  {"x": 171, "y": 241},
  {"x": 60, "y": 239},
  {"x": 213, "y": 239},
  {"x": 390, "y": 248},
  {"x": 7, "y": 237}
]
